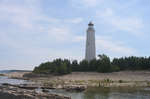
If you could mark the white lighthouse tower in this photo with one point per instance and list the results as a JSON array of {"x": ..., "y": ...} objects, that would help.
[{"x": 90, "y": 43}]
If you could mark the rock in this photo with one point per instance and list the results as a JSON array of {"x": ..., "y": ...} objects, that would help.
[
  {"x": 2, "y": 75},
  {"x": 28, "y": 87},
  {"x": 77, "y": 88},
  {"x": 47, "y": 87},
  {"x": 6, "y": 84},
  {"x": 6, "y": 95},
  {"x": 45, "y": 90},
  {"x": 12, "y": 92}
]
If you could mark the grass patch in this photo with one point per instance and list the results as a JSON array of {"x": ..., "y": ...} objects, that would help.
[{"x": 105, "y": 83}]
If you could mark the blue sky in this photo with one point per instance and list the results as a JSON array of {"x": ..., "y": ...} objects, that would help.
[{"x": 35, "y": 31}]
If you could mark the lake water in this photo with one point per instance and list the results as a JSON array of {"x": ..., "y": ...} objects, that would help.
[
  {"x": 4, "y": 79},
  {"x": 108, "y": 93},
  {"x": 94, "y": 93}
]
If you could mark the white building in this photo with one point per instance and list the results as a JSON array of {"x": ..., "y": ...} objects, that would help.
[{"x": 90, "y": 43}]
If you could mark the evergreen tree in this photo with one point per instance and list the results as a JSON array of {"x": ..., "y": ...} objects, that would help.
[{"x": 104, "y": 64}]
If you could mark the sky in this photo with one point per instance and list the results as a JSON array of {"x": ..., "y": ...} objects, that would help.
[{"x": 36, "y": 31}]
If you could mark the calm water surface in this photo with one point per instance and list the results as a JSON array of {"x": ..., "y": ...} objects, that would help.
[
  {"x": 107, "y": 93},
  {"x": 4, "y": 79}
]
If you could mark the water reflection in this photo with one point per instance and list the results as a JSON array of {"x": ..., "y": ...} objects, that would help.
[
  {"x": 116, "y": 93},
  {"x": 96, "y": 93},
  {"x": 108, "y": 93}
]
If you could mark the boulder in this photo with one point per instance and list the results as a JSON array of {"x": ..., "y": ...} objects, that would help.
[{"x": 12, "y": 92}]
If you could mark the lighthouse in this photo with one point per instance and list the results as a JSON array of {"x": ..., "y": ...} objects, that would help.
[{"x": 90, "y": 53}]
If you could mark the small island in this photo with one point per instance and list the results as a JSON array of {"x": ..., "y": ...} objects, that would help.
[{"x": 131, "y": 73}]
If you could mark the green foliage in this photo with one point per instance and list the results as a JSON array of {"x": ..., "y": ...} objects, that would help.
[
  {"x": 84, "y": 65},
  {"x": 58, "y": 66},
  {"x": 75, "y": 65},
  {"x": 132, "y": 63},
  {"x": 103, "y": 65},
  {"x": 115, "y": 68},
  {"x": 108, "y": 80},
  {"x": 44, "y": 68},
  {"x": 93, "y": 65}
]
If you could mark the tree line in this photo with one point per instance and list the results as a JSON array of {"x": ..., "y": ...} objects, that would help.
[
  {"x": 132, "y": 63},
  {"x": 103, "y": 64}
]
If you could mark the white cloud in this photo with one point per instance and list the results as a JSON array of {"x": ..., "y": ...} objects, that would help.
[
  {"x": 90, "y": 2},
  {"x": 59, "y": 34},
  {"x": 129, "y": 24},
  {"x": 18, "y": 14},
  {"x": 109, "y": 45},
  {"x": 78, "y": 38},
  {"x": 27, "y": 17},
  {"x": 86, "y": 3},
  {"x": 74, "y": 20}
]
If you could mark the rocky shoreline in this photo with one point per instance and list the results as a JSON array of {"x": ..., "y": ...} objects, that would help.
[
  {"x": 79, "y": 81},
  {"x": 85, "y": 79},
  {"x": 92, "y": 79},
  {"x": 8, "y": 91}
]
